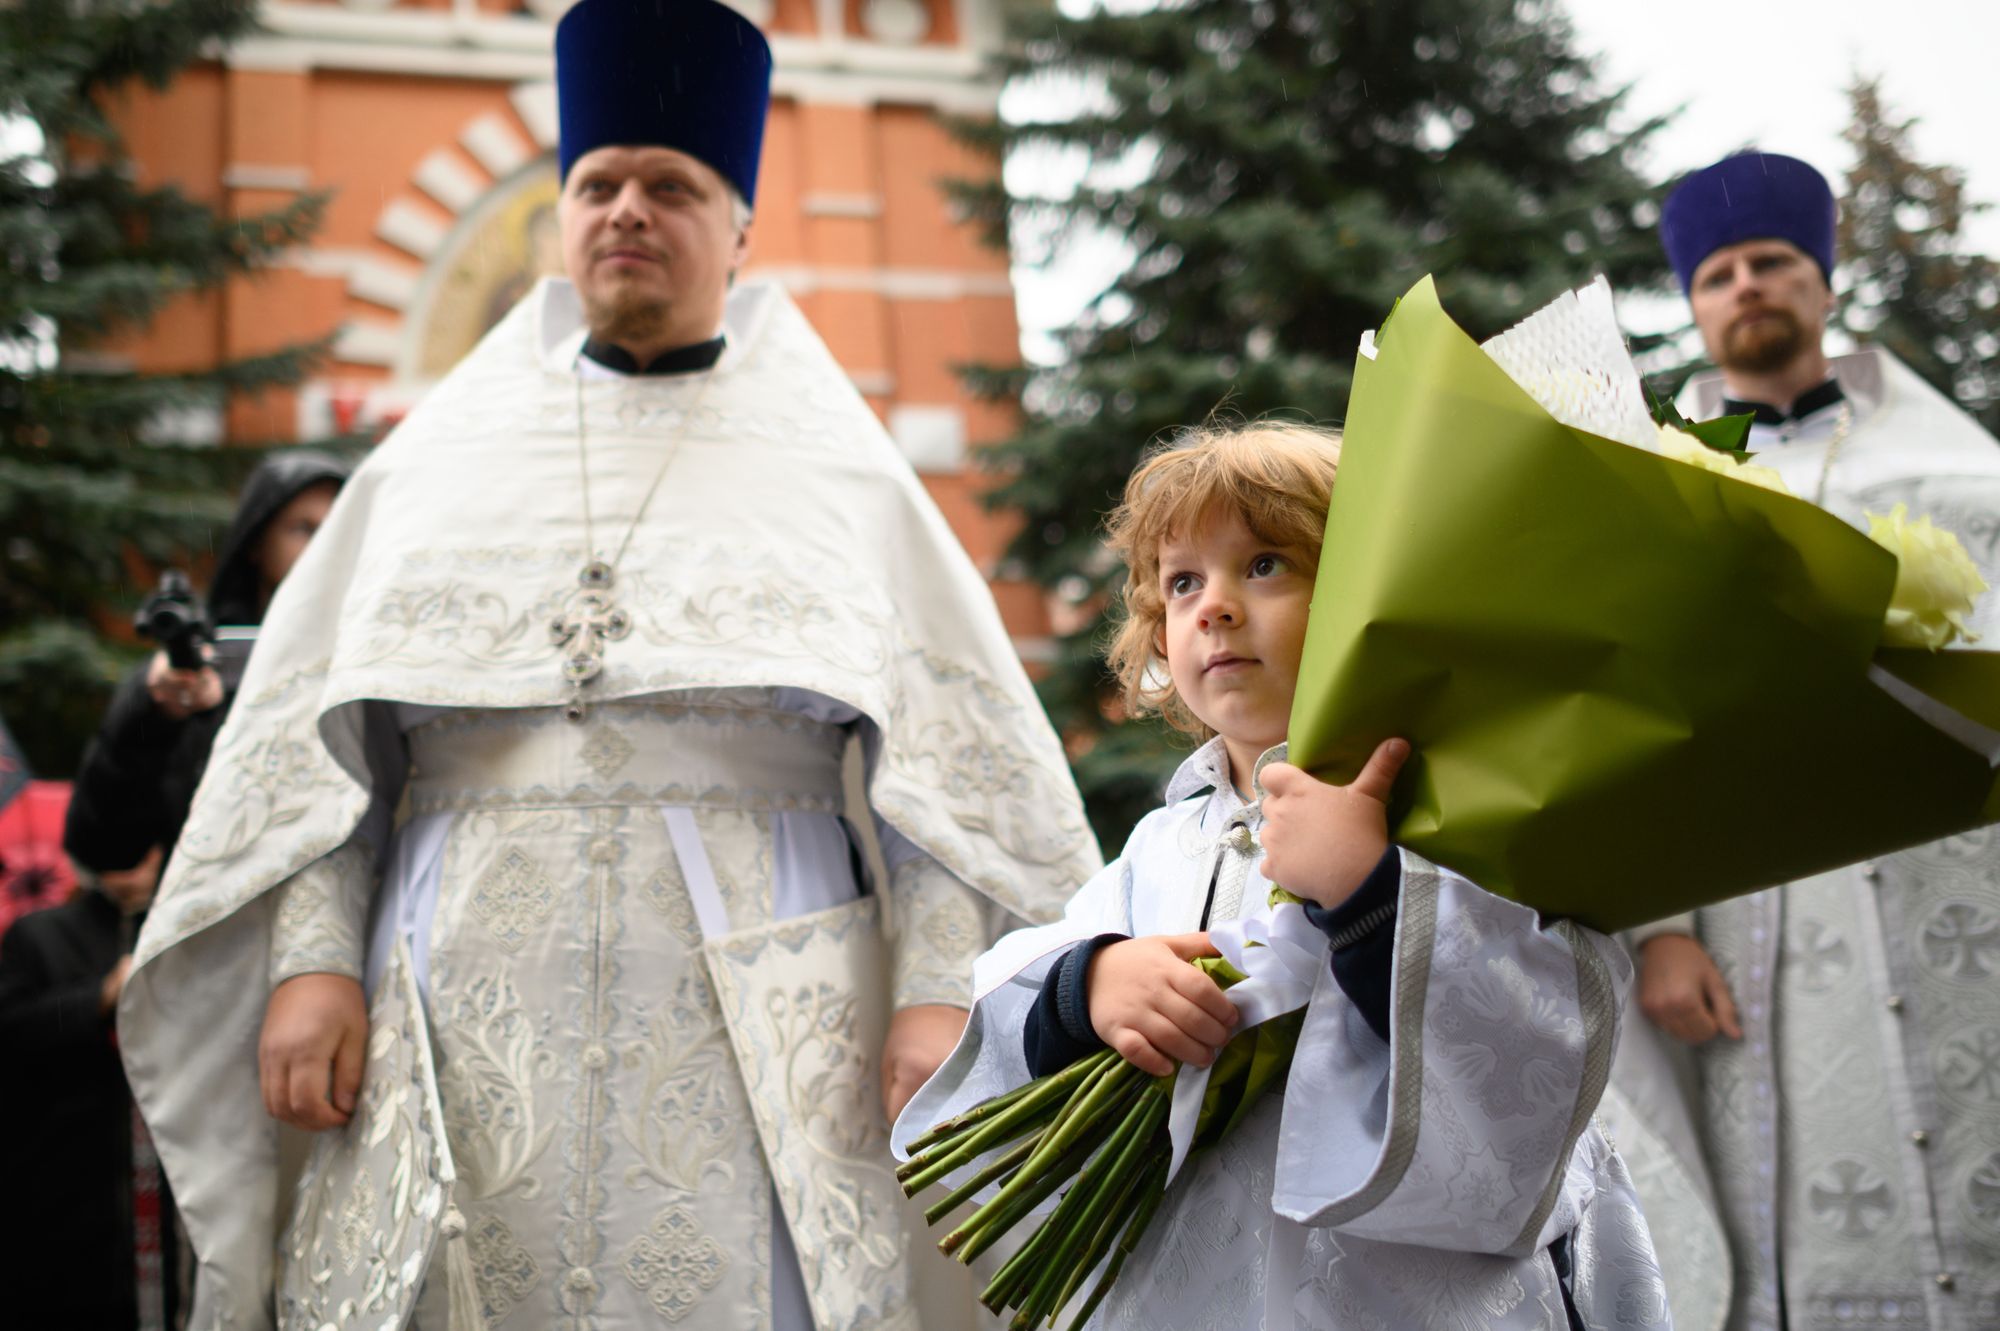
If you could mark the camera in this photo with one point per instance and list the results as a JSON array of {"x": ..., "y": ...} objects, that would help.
[{"x": 174, "y": 618}]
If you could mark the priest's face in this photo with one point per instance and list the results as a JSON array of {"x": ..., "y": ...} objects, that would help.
[
  {"x": 1760, "y": 305},
  {"x": 651, "y": 238}
]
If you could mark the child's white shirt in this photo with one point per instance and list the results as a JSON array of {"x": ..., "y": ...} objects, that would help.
[{"x": 1413, "y": 1183}]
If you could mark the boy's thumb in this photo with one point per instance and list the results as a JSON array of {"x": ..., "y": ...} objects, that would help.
[
  {"x": 1281, "y": 778},
  {"x": 1378, "y": 777}
]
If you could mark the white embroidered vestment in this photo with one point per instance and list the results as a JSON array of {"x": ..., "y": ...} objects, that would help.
[{"x": 628, "y": 1071}]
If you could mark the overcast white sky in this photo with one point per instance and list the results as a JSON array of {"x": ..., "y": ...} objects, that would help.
[
  {"x": 1768, "y": 72},
  {"x": 1772, "y": 72}
]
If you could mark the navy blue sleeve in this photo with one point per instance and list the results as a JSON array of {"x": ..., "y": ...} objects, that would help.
[
  {"x": 1362, "y": 931},
  {"x": 1058, "y": 1031}
]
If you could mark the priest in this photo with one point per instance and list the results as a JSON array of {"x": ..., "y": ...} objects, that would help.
[
  {"x": 1815, "y": 1110},
  {"x": 520, "y": 875}
]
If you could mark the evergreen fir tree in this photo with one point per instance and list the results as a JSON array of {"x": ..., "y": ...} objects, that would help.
[
  {"x": 1912, "y": 288},
  {"x": 1308, "y": 160},
  {"x": 91, "y": 498}
]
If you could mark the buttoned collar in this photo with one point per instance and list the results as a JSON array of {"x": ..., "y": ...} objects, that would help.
[
  {"x": 1204, "y": 769},
  {"x": 1810, "y": 402},
  {"x": 679, "y": 360},
  {"x": 1207, "y": 768}
]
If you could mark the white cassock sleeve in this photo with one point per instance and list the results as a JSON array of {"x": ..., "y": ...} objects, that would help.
[
  {"x": 1458, "y": 1132},
  {"x": 1006, "y": 981},
  {"x": 319, "y": 916},
  {"x": 937, "y": 925},
  {"x": 940, "y": 925}
]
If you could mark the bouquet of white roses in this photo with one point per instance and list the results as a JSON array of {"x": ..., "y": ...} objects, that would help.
[
  {"x": 1613, "y": 641},
  {"x": 1936, "y": 581}
]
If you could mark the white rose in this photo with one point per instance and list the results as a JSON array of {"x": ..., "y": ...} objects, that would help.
[
  {"x": 1684, "y": 447},
  {"x": 1936, "y": 581}
]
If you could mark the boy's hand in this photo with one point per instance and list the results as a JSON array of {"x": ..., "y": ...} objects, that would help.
[
  {"x": 1320, "y": 841},
  {"x": 1155, "y": 1009}
]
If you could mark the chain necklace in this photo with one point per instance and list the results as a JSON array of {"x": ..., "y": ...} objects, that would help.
[
  {"x": 1840, "y": 429},
  {"x": 590, "y": 618}
]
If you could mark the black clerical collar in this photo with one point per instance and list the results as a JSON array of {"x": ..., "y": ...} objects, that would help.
[
  {"x": 1763, "y": 413},
  {"x": 681, "y": 360}
]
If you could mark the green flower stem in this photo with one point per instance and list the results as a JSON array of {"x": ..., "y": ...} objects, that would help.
[
  {"x": 1010, "y": 1283},
  {"x": 1104, "y": 1063},
  {"x": 980, "y": 1112},
  {"x": 1099, "y": 1224},
  {"x": 1099, "y": 1242},
  {"x": 954, "y": 1144},
  {"x": 1085, "y": 1108},
  {"x": 1006, "y": 1164},
  {"x": 1101, "y": 1064},
  {"x": 961, "y": 1151},
  {"x": 1149, "y": 1202},
  {"x": 991, "y": 1222},
  {"x": 1041, "y": 1091},
  {"x": 1000, "y": 1291},
  {"x": 1122, "y": 1167},
  {"x": 1097, "y": 1131},
  {"x": 1054, "y": 1240},
  {"x": 1031, "y": 1172},
  {"x": 1083, "y": 1205},
  {"x": 920, "y": 1172},
  {"x": 1031, "y": 1280}
]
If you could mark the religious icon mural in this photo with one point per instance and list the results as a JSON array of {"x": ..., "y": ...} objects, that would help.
[{"x": 490, "y": 259}]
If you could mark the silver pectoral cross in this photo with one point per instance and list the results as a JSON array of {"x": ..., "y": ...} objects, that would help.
[{"x": 588, "y": 621}]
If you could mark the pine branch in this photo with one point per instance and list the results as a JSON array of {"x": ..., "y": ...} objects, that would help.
[
  {"x": 1281, "y": 171},
  {"x": 90, "y": 495},
  {"x": 1913, "y": 288}
]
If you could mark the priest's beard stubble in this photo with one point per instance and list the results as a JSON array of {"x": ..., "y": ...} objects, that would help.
[
  {"x": 624, "y": 318},
  {"x": 1763, "y": 345}
]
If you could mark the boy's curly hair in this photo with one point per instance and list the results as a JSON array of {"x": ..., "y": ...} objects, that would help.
[{"x": 1277, "y": 474}]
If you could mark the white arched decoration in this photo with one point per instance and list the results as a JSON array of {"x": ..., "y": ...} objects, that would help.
[
  {"x": 488, "y": 260},
  {"x": 427, "y": 304}
]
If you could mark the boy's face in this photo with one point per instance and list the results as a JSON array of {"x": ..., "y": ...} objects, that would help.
[{"x": 1235, "y": 627}]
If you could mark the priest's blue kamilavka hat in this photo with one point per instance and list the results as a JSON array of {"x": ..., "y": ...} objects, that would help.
[
  {"x": 692, "y": 75},
  {"x": 1751, "y": 196}
]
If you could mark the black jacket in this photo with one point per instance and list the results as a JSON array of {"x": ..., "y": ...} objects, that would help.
[
  {"x": 66, "y": 1124},
  {"x": 139, "y": 774}
]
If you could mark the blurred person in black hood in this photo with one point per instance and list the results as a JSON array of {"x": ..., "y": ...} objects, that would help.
[
  {"x": 140, "y": 773},
  {"x": 87, "y": 1235},
  {"x": 88, "y": 1240}
]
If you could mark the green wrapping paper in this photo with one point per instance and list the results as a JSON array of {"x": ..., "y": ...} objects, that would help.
[{"x": 1632, "y": 686}]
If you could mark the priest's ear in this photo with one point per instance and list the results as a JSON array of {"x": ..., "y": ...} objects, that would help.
[{"x": 740, "y": 219}]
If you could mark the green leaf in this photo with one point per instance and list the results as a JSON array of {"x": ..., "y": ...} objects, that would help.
[{"x": 1724, "y": 434}]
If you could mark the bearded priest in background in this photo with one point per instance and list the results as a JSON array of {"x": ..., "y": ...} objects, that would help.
[
  {"x": 519, "y": 874},
  {"x": 1815, "y": 1103}
]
